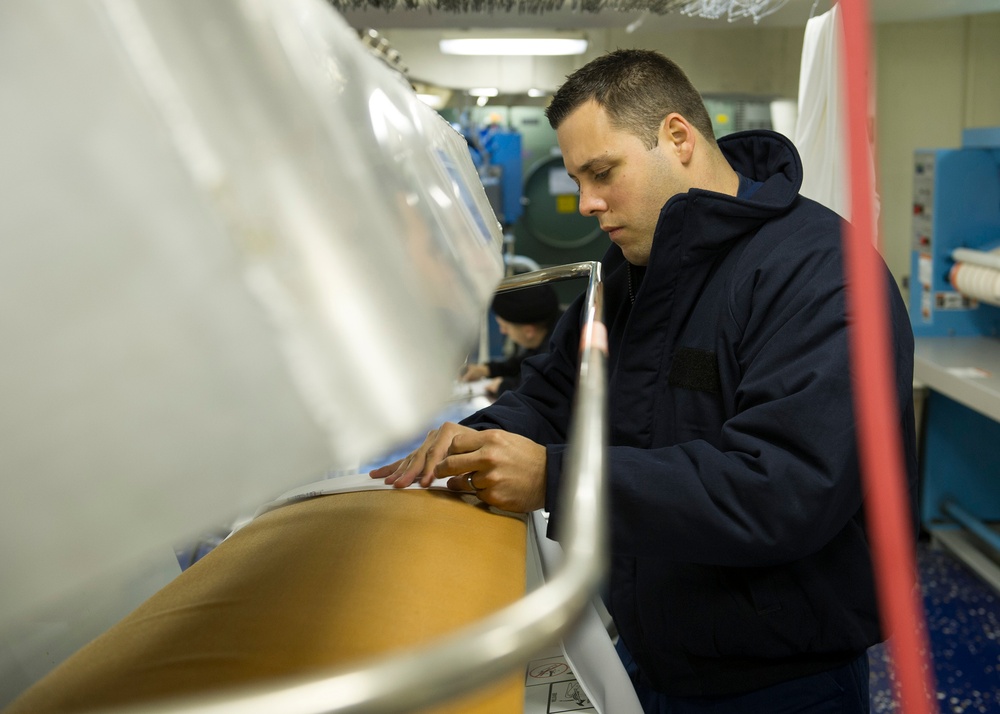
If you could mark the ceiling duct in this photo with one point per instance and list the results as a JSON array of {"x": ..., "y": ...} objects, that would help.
[
  {"x": 729, "y": 9},
  {"x": 514, "y": 6}
]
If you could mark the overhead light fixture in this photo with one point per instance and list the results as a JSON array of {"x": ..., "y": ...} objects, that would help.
[
  {"x": 484, "y": 92},
  {"x": 501, "y": 46},
  {"x": 536, "y": 92},
  {"x": 481, "y": 101}
]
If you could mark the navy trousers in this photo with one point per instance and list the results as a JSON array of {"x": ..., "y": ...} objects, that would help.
[{"x": 838, "y": 691}]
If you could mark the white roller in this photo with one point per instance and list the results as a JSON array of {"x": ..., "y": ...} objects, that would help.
[
  {"x": 979, "y": 282},
  {"x": 989, "y": 259}
]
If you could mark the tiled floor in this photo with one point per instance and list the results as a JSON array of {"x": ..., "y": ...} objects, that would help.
[{"x": 963, "y": 618}]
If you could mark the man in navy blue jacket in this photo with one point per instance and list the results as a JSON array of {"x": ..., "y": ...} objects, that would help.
[{"x": 741, "y": 579}]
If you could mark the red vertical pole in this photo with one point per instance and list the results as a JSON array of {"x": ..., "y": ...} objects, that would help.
[{"x": 889, "y": 521}]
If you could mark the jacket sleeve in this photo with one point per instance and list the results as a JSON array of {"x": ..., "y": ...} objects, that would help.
[{"x": 510, "y": 367}]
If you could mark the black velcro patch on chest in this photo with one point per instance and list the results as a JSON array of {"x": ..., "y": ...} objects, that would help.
[{"x": 694, "y": 369}]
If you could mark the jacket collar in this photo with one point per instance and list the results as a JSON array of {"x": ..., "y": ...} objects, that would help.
[{"x": 704, "y": 221}]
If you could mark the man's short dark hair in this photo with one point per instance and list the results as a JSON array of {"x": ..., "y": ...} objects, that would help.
[{"x": 637, "y": 88}]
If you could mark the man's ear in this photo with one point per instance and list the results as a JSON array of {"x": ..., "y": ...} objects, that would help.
[{"x": 678, "y": 136}]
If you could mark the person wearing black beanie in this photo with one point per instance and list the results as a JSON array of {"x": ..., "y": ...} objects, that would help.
[{"x": 526, "y": 316}]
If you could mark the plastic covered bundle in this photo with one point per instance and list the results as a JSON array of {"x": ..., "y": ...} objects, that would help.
[{"x": 238, "y": 253}]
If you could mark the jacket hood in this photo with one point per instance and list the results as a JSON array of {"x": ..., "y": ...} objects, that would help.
[
  {"x": 709, "y": 220},
  {"x": 768, "y": 157}
]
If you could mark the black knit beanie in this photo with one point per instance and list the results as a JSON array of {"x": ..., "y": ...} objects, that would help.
[{"x": 527, "y": 305}]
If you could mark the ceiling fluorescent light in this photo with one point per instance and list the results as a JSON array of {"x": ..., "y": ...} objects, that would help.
[
  {"x": 484, "y": 92},
  {"x": 513, "y": 46}
]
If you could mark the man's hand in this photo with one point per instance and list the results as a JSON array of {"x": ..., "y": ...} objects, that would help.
[
  {"x": 502, "y": 469},
  {"x": 493, "y": 387}
]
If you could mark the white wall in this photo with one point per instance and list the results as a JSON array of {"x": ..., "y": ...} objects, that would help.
[{"x": 934, "y": 79}]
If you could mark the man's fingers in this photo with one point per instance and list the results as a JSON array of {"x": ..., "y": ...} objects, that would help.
[
  {"x": 384, "y": 471},
  {"x": 461, "y": 483},
  {"x": 401, "y": 473},
  {"x": 420, "y": 465},
  {"x": 435, "y": 455},
  {"x": 458, "y": 464},
  {"x": 404, "y": 474},
  {"x": 468, "y": 441}
]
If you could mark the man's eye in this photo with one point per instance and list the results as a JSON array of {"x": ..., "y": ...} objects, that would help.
[{"x": 602, "y": 175}]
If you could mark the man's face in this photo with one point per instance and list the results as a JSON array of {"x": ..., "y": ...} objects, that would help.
[
  {"x": 621, "y": 182},
  {"x": 520, "y": 335}
]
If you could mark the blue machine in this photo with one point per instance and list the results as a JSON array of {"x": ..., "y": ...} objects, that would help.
[
  {"x": 496, "y": 154},
  {"x": 957, "y": 205},
  {"x": 504, "y": 147}
]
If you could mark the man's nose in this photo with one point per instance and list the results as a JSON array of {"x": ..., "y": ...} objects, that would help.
[{"x": 591, "y": 204}]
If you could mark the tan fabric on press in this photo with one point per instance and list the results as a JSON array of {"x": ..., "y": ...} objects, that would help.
[{"x": 318, "y": 584}]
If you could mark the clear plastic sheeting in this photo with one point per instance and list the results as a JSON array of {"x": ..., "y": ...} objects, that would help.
[
  {"x": 732, "y": 9},
  {"x": 238, "y": 252}
]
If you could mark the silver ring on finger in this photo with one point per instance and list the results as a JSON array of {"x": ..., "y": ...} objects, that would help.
[{"x": 468, "y": 480}]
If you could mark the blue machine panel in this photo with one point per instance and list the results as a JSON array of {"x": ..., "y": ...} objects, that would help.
[
  {"x": 956, "y": 204},
  {"x": 960, "y": 460},
  {"x": 505, "y": 150}
]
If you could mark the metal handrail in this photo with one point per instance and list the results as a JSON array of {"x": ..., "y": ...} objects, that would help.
[{"x": 480, "y": 653}]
